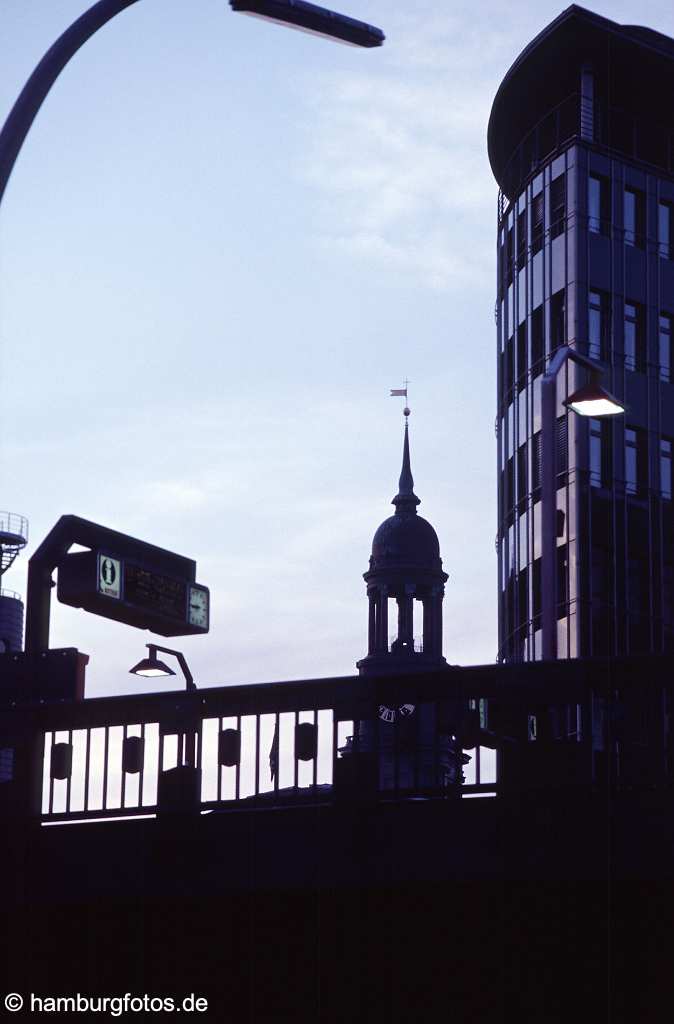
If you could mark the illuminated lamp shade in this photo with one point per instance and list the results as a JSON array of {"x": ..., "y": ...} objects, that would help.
[
  {"x": 594, "y": 400},
  {"x": 317, "y": 21},
  {"x": 149, "y": 667}
]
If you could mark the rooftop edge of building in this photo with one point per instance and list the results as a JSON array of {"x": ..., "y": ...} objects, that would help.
[{"x": 547, "y": 72}]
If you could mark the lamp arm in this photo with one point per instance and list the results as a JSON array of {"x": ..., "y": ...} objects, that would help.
[
  {"x": 37, "y": 87},
  {"x": 561, "y": 356},
  {"x": 189, "y": 678}
]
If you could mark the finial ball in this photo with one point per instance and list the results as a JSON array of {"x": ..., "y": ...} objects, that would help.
[{"x": 406, "y": 411}]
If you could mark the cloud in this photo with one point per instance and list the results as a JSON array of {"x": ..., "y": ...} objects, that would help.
[
  {"x": 398, "y": 192},
  {"x": 400, "y": 163}
]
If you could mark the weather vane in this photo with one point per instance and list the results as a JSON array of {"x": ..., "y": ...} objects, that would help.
[{"x": 402, "y": 393}]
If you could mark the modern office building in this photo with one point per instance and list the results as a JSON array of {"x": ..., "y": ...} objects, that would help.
[{"x": 581, "y": 142}]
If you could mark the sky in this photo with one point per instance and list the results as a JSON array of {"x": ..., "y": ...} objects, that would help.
[{"x": 222, "y": 245}]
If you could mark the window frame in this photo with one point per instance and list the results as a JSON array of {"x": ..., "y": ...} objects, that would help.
[
  {"x": 665, "y": 333},
  {"x": 537, "y": 224},
  {"x": 633, "y": 233},
  {"x": 598, "y": 349},
  {"x": 634, "y": 361},
  {"x": 666, "y": 214},
  {"x": 598, "y": 220},
  {"x": 557, "y": 205},
  {"x": 665, "y": 458}
]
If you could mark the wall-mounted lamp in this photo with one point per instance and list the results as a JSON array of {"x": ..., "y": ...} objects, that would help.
[{"x": 594, "y": 400}]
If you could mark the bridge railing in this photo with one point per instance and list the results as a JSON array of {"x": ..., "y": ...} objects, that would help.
[{"x": 485, "y": 731}]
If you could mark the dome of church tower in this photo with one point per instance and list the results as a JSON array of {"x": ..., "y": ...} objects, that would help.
[
  {"x": 405, "y": 540},
  {"x": 405, "y": 573}
]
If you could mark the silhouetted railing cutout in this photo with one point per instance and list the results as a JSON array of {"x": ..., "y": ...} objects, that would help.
[
  {"x": 592, "y": 723},
  {"x": 118, "y": 757}
]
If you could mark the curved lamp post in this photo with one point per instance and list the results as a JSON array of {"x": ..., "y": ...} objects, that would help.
[
  {"x": 590, "y": 400},
  {"x": 293, "y": 13}
]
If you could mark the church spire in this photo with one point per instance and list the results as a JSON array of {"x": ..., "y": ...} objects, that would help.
[
  {"x": 405, "y": 568},
  {"x": 406, "y": 500}
]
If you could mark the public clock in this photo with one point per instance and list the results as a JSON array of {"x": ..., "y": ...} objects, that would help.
[
  {"x": 197, "y": 607},
  {"x": 390, "y": 714}
]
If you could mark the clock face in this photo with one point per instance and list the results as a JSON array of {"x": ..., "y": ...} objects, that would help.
[
  {"x": 197, "y": 611},
  {"x": 390, "y": 714}
]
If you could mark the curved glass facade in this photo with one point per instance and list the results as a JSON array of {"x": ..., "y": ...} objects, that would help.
[{"x": 585, "y": 259}]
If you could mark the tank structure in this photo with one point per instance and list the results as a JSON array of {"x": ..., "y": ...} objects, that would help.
[{"x": 13, "y": 538}]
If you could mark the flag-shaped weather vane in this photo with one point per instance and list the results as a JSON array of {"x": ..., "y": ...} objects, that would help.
[{"x": 402, "y": 393}]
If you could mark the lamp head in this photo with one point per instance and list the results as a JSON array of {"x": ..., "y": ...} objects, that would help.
[
  {"x": 151, "y": 667},
  {"x": 310, "y": 18},
  {"x": 594, "y": 400}
]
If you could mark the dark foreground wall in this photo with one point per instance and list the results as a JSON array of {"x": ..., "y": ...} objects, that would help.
[{"x": 542, "y": 909}]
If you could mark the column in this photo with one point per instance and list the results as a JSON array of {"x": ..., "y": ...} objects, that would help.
[
  {"x": 428, "y": 625},
  {"x": 372, "y": 622},
  {"x": 382, "y": 619},
  {"x": 406, "y": 630}
]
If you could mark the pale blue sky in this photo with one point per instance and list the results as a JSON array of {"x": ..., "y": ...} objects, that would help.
[{"x": 222, "y": 245}]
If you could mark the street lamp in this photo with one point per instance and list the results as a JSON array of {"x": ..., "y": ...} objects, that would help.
[
  {"x": 152, "y": 667},
  {"x": 590, "y": 400},
  {"x": 294, "y": 13},
  {"x": 315, "y": 20}
]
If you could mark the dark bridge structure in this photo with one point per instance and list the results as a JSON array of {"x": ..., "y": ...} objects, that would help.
[{"x": 230, "y": 842}]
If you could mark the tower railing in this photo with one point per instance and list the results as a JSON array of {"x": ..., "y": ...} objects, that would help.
[
  {"x": 606, "y": 128},
  {"x": 13, "y": 538}
]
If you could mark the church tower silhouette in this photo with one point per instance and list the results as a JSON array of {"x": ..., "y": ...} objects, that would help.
[
  {"x": 405, "y": 567},
  {"x": 407, "y": 745}
]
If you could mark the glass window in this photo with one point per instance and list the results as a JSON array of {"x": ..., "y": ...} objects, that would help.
[
  {"x": 665, "y": 346},
  {"x": 557, "y": 205},
  {"x": 595, "y": 454},
  {"x": 537, "y": 530},
  {"x": 635, "y": 460},
  {"x": 633, "y": 217},
  {"x": 511, "y": 550},
  {"x": 557, "y": 311},
  {"x": 536, "y": 456},
  {"x": 522, "y": 354},
  {"x": 635, "y": 347},
  {"x": 537, "y": 343},
  {"x": 509, "y": 363},
  {"x": 511, "y": 429},
  {"x": 537, "y": 223},
  {"x": 665, "y": 230},
  {"x": 630, "y": 461},
  {"x": 522, "y": 473},
  {"x": 597, "y": 204},
  {"x": 510, "y": 255},
  {"x": 598, "y": 325},
  {"x": 523, "y": 520},
  {"x": 521, "y": 239},
  {"x": 510, "y": 483},
  {"x": 666, "y": 468}
]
